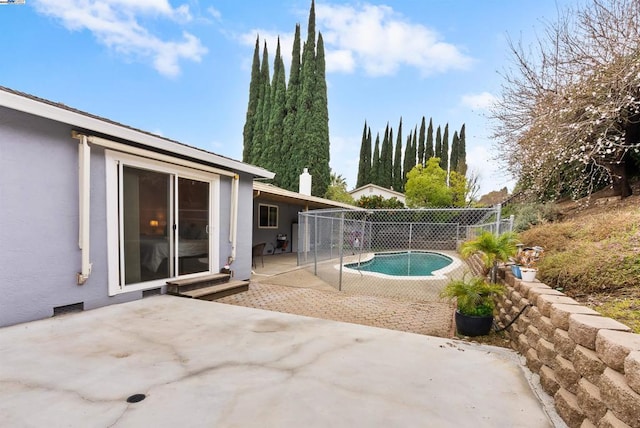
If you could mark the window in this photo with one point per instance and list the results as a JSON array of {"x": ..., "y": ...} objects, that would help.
[
  {"x": 268, "y": 215},
  {"x": 159, "y": 220}
]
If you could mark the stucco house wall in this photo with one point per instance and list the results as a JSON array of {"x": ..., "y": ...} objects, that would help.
[
  {"x": 287, "y": 216},
  {"x": 289, "y": 204},
  {"x": 39, "y": 219}
]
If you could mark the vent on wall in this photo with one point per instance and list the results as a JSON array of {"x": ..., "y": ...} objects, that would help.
[
  {"x": 152, "y": 292},
  {"x": 66, "y": 309}
]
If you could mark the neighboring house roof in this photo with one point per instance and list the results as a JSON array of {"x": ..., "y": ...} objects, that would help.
[
  {"x": 377, "y": 190},
  {"x": 86, "y": 122},
  {"x": 274, "y": 193}
]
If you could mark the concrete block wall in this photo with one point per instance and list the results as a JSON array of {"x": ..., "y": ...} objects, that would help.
[{"x": 588, "y": 363}]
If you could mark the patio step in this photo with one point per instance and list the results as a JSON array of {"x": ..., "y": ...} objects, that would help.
[
  {"x": 179, "y": 286},
  {"x": 217, "y": 291},
  {"x": 209, "y": 287}
]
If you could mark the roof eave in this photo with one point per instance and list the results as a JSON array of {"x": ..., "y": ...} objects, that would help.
[{"x": 49, "y": 111}]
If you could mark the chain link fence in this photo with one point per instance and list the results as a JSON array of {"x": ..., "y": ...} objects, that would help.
[{"x": 372, "y": 251}]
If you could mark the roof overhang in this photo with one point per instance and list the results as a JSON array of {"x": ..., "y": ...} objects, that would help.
[
  {"x": 277, "y": 194},
  {"x": 76, "y": 118}
]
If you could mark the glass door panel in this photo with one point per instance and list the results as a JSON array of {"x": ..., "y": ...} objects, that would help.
[
  {"x": 146, "y": 216},
  {"x": 193, "y": 226}
]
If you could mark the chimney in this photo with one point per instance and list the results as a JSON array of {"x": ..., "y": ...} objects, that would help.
[{"x": 305, "y": 183}]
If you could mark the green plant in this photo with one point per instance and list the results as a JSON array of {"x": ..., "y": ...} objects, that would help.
[
  {"x": 528, "y": 215},
  {"x": 492, "y": 249},
  {"x": 378, "y": 202},
  {"x": 474, "y": 296}
]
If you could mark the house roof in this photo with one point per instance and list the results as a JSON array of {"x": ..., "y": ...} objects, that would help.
[
  {"x": 90, "y": 123},
  {"x": 274, "y": 193},
  {"x": 380, "y": 188}
]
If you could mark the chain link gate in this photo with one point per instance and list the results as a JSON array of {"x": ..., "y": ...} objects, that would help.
[{"x": 340, "y": 246}]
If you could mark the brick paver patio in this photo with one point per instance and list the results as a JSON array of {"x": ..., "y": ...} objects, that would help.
[{"x": 429, "y": 318}]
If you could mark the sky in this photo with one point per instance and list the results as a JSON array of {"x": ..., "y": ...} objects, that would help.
[{"x": 181, "y": 69}]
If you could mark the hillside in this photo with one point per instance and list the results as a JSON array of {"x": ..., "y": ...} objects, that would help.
[{"x": 593, "y": 254}]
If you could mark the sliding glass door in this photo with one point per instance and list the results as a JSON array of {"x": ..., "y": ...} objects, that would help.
[
  {"x": 163, "y": 223},
  {"x": 193, "y": 226},
  {"x": 146, "y": 225}
]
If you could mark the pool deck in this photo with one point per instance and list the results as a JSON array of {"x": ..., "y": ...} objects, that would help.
[{"x": 208, "y": 364}]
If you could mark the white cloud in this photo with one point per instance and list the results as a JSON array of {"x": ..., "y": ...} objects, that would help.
[
  {"x": 373, "y": 38},
  {"x": 214, "y": 12},
  {"x": 480, "y": 101},
  {"x": 380, "y": 41},
  {"x": 115, "y": 24},
  {"x": 340, "y": 60}
]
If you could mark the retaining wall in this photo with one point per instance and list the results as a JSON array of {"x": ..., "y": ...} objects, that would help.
[{"x": 588, "y": 363}]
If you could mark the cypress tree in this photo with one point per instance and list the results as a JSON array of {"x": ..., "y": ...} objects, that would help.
[
  {"x": 289, "y": 179},
  {"x": 438, "y": 149},
  {"x": 303, "y": 113},
  {"x": 455, "y": 147},
  {"x": 421, "y": 155},
  {"x": 444, "y": 159},
  {"x": 304, "y": 137},
  {"x": 319, "y": 151},
  {"x": 364, "y": 166},
  {"x": 385, "y": 167},
  {"x": 262, "y": 115},
  {"x": 369, "y": 179},
  {"x": 375, "y": 161},
  {"x": 389, "y": 164},
  {"x": 429, "y": 153},
  {"x": 409, "y": 161},
  {"x": 273, "y": 151},
  {"x": 414, "y": 146},
  {"x": 254, "y": 91},
  {"x": 397, "y": 181},
  {"x": 462, "y": 153},
  {"x": 311, "y": 148}
]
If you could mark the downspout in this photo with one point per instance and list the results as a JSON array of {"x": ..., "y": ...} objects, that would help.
[
  {"x": 84, "y": 193},
  {"x": 233, "y": 218}
]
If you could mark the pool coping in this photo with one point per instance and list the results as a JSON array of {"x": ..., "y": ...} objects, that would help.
[{"x": 438, "y": 274}]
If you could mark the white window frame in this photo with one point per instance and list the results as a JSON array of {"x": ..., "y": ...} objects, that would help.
[
  {"x": 114, "y": 164},
  {"x": 268, "y": 206}
]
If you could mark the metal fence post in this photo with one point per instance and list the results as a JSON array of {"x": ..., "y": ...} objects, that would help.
[
  {"x": 410, "y": 234},
  {"x": 498, "y": 213},
  {"x": 341, "y": 249},
  {"x": 331, "y": 243},
  {"x": 315, "y": 245}
]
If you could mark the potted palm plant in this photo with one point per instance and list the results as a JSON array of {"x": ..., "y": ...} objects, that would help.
[
  {"x": 492, "y": 249},
  {"x": 475, "y": 301}
]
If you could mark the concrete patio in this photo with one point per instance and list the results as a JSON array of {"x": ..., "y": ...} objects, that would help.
[{"x": 215, "y": 365}]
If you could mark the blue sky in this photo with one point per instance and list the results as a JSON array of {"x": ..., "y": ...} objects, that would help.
[{"x": 181, "y": 69}]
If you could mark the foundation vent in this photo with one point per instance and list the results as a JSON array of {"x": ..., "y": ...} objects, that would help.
[
  {"x": 152, "y": 292},
  {"x": 67, "y": 309}
]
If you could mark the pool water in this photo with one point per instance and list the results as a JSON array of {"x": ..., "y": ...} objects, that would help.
[{"x": 407, "y": 263}]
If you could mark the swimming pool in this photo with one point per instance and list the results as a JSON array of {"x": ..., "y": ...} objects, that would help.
[{"x": 403, "y": 264}]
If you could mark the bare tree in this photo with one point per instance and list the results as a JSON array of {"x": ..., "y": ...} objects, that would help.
[{"x": 568, "y": 119}]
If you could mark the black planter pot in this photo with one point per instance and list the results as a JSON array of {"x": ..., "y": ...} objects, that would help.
[{"x": 468, "y": 325}]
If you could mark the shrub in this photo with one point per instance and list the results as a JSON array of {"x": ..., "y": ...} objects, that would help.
[{"x": 528, "y": 215}]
